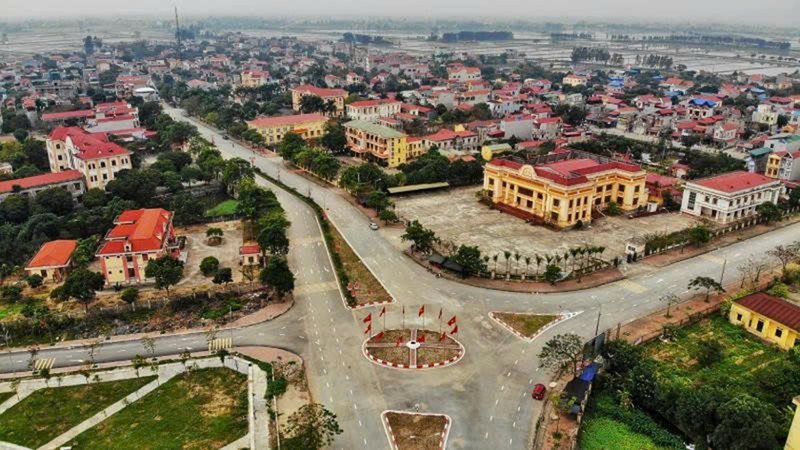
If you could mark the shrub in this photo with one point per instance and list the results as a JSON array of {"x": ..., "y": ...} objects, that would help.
[
  {"x": 34, "y": 281},
  {"x": 209, "y": 266},
  {"x": 709, "y": 352},
  {"x": 10, "y": 293},
  {"x": 637, "y": 421},
  {"x": 276, "y": 388}
]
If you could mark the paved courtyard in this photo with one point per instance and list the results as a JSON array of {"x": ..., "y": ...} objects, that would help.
[
  {"x": 457, "y": 216},
  {"x": 197, "y": 247}
]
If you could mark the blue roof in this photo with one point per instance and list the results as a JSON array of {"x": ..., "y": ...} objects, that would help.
[
  {"x": 703, "y": 102},
  {"x": 673, "y": 93},
  {"x": 616, "y": 83},
  {"x": 589, "y": 372},
  {"x": 757, "y": 90}
]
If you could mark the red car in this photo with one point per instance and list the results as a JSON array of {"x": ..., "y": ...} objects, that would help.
[{"x": 538, "y": 392}]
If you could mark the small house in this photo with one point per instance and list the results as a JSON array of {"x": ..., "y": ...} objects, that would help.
[
  {"x": 250, "y": 255},
  {"x": 53, "y": 260},
  {"x": 770, "y": 318}
]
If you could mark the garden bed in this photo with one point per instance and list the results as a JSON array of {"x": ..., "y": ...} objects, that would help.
[
  {"x": 48, "y": 413},
  {"x": 204, "y": 408},
  {"x": 411, "y": 431},
  {"x": 527, "y": 325},
  {"x": 397, "y": 355}
]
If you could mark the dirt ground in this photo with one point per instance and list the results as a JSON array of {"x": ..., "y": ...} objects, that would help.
[
  {"x": 526, "y": 324},
  {"x": 416, "y": 432},
  {"x": 197, "y": 248},
  {"x": 456, "y": 215}
]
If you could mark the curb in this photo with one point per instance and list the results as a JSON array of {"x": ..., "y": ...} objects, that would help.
[
  {"x": 561, "y": 318},
  {"x": 437, "y": 365},
  {"x": 390, "y": 435}
]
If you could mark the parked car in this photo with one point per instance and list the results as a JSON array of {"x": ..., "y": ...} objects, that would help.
[
  {"x": 538, "y": 392},
  {"x": 373, "y": 226}
]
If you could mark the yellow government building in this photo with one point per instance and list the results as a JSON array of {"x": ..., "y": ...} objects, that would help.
[
  {"x": 309, "y": 126},
  {"x": 377, "y": 142},
  {"x": 563, "y": 193}
]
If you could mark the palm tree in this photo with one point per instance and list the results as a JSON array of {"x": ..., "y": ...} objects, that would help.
[
  {"x": 517, "y": 256},
  {"x": 507, "y": 254},
  {"x": 495, "y": 261},
  {"x": 539, "y": 260},
  {"x": 527, "y": 264}
]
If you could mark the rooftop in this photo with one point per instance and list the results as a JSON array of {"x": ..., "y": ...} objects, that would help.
[
  {"x": 266, "y": 122},
  {"x": 734, "y": 181},
  {"x": 373, "y": 128},
  {"x": 53, "y": 254},
  {"x": 144, "y": 229},
  {"x": 773, "y": 308},
  {"x": 40, "y": 180}
]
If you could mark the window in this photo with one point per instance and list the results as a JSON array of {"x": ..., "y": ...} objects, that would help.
[
  {"x": 760, "y": 326},
  {"x": 599, "y": 189},
  {"x": 113, "y": 162},
  {"x": 778, "y": 332},
  {"x": 60, "y": 157},
  {"x": 739, "y": 317},
  {"x": 102, "y": 164},
  {"x": 556, "y": 203},
  {"x": 621, "y": 188},
  {"x": 571, "y": 203}
]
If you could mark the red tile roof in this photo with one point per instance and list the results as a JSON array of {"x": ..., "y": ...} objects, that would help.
[
  {"x": 40, "y": 180},
  {"x": 83, "y": 113},
  {"x": 53, "y": 253},
  {"x": 773, "y": 308},
  {"x": 264, "y": 122},
  {"x": 252, "y": 249},
  {"x": 735, "y": 181},
  {"x": 145, "y": 229},
  {"x": 446, "y": 135},
  {"x": 321, "y": 92},
  {"x": 90, "y": 146},
  {"x": 368, "y": 103}
]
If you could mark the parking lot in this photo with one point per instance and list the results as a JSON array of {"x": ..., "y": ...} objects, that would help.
[{"x": 457, "y": 216}]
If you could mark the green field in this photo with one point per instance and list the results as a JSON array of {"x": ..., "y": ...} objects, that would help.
[
  {"x": 225, "y": 208},
  {"x": 603, "y": 433},
  {"x": 48, "y": 413},
  {"x": 203, "y": 409},
  {"x": 8, "y": 310},
  {"x": 5, "y": 396}
]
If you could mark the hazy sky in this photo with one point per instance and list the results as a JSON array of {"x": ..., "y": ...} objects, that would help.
[{"x": 783, "y": 12}]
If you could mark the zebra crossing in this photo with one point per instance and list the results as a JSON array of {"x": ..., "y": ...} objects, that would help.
[
  {"x": 220, "y": 344},
  {"x": 42, "y": 364}
]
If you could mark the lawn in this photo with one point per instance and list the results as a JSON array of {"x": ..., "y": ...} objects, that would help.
[
  {"x": 604, "y": 433},
  {"x": 526, "y": 324},
  {"x": 8, "y": 310},
  {"x": 205, "y": 408},
  {"x": 224, "y": 208},
  {"x": 48, "y": 413},
  {"x": 5, "y": 396}
]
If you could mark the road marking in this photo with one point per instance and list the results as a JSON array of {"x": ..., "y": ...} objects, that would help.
[
  {"x": 486, "y": 436},
  {"x": 42, "y": 364},
  {"x": 631, "y": 286},
  {"x": 220, "y": 344},
  {"x": 503, "y": 388},
  {"x": 316, "y": 288},
  {"x": 491, "y": 418},
  {"x": 496, "y": 402}
]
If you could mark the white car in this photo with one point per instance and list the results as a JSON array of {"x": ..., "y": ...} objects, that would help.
[{"x": 373, "y": 226}]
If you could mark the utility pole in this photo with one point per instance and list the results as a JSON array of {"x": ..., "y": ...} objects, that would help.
[
  {"x": 178, "y": 34},
  {"x": 597, "y": 326},
  {"x": 722, "y": 275}
]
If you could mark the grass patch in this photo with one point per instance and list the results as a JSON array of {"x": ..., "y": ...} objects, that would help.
[
  {"x": 525, "y": 324},
  {"x": 47, "y": 413},
  {"x": 370, "y": 290},
  {"x": 416, "y": 432},
  {"x": 205, "y": 408},
  {"x": 5, "y": 396},
  {"x": 224, "y": 208},
  {"x": 9, "y": 310},
  {"x": 604, "y": 433}
]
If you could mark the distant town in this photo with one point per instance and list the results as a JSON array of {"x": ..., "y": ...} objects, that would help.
[{"x": 262, "y": 233}]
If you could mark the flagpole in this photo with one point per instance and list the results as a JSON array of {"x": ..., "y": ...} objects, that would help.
[
  {"x": 404, "y": 317},
  {"x": 423, "y": 317},
  {"x": 440, "y": 320}
]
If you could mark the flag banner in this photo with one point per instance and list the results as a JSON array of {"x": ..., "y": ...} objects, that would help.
[
  {"x": 368, "y": 318},
  {"x": 369, "y": 328},
  {"x": 421, "y": 338},
  {"x": 383, "y": 311},
  {"x": 421, "y": 311},
  {"x": 441, "y": 338},
  {"x": 455, "y": 330},
  {"x": 451, "y": 321},
  {"x": 379, "y": 336}
]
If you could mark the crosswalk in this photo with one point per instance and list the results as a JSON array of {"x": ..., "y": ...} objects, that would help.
[
  {"x": 220, "y": 344},
  {"x": 316, "y": 288},
  {"x": 633, "y": 287},
  {"x": 42, "y": 364}
]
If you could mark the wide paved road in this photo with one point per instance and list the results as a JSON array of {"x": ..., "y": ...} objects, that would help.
[{"x": 487, "y": 394}]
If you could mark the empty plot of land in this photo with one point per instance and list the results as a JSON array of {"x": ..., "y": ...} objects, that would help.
[
  {"x": 416, "y": 431},
  {"x": 457, "y": 216},
  {"x": 527, "y": 325}
]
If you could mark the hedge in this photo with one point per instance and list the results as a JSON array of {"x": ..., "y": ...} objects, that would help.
[{"x": 603, "y": 405}]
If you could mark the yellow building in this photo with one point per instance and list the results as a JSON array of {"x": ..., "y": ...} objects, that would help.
[
  {"x": 565, "y": 192},
  {"x": 375, "y": 141},
  {"x": 793, "y": 441},
  {"x": 773, "y": 165},
  {"x": 309, "y": 126},
  {"x": 770, "y": 318},
  {"x": 336, "y": 96},
  {"x": 254, "y": 78},
  {"x": 93, "y": 154}
]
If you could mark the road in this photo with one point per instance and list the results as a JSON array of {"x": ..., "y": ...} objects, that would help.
[{"x": 487, "y": 394}]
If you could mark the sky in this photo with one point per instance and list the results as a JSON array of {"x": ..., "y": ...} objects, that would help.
[{"x": 778, "y": 12}]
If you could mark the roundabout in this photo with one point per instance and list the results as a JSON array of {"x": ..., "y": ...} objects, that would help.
[{"x": 413, "y": 349}]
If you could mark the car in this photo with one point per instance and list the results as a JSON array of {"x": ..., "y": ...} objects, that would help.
[
  {"x": 373, "y": 226},
  {"x": 226, "y": 137},
  {"x": 538, "y": 392}
]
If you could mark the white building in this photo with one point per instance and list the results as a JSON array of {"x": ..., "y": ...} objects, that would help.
[
  {"x": 98, "y": 159},
  {"x": 766, "y": 114},
  {"x": 729, "y": 197},
  {"x": 461, "y": 74},
  {"x": 372, "y": 110}
]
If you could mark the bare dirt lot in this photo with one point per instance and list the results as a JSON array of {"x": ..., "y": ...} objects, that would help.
[
  {"x": 197, "y": 247},
  {"x": 457, "y": 216},
  {"x": 416, "y": 432}
]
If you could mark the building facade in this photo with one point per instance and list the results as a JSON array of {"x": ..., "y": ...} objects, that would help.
[
  {"x": 729, "y": 197},
  {"x": 565, "y": 192},
  {"x": 309, "y": 126},
  {"x": 98, "y": 159},
  {"x": 138, "y": 236},
  {"x": 372, "y": 110},
  {"x": 377, "y": 142},
  {"x": 69, "y": 180},
  {"x": 336, "y": 96},
  {"x": 53, "y": 260},
  {"x": 770, "y": 318}
]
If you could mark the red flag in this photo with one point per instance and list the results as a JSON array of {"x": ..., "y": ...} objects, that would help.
[
  {"x": 455, "y": 330},
  {"x": 441, "y": 338},
  {"x": 421, "y": 311},
  {"x": 368, "y": 318},
  {"x": 399, "y": 341},
  {"x": 369, "y": 328},
  {"x": 383, "y": 311},
  {"x": 378, "y": 336},
  {"x": 451, "y": 321},
  {"x": 440, "y": 313},
  {"x": 421, "y": 338}
]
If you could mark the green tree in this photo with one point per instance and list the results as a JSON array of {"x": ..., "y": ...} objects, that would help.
[
  {"x": 85, "y": 250},
  {"x": 745, "y": 423},
  {"x": 699, "y": 235},
  {"x": 708, "y": 352},
  {"x": 552, "y": 273},
  {"x": 94, "y": 198},
  {"x": 387, "y": 215},
  {"x": 278, "y": 276},
  {"x": 272, "y": 239},
  {"x": 54, "y": 200},
  {"x": 562, "y": 352},
  {"x": 34, "y": 280},
  {"x": 165, "y": 270},
  {"x": 130, "y": 295},
  {"x": 621, "y": 356},
  {"x": 707, "y": 283},
  {"x": 223, "y": 276},
  {"x": 290, "y": 145},
  {"x": 469, "y": 257},
  {"x": 15, "y": 208},
  {"x": 769, "y": 212},
  {"x": 334, "y": 139},
  {"x": 82, "y": 285},
  {"x": 209, "y": 266},
  {"x": 378, "y": 200},
  {"x": 422, "y": 237},
  {"x": 311, "y": 427}
]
